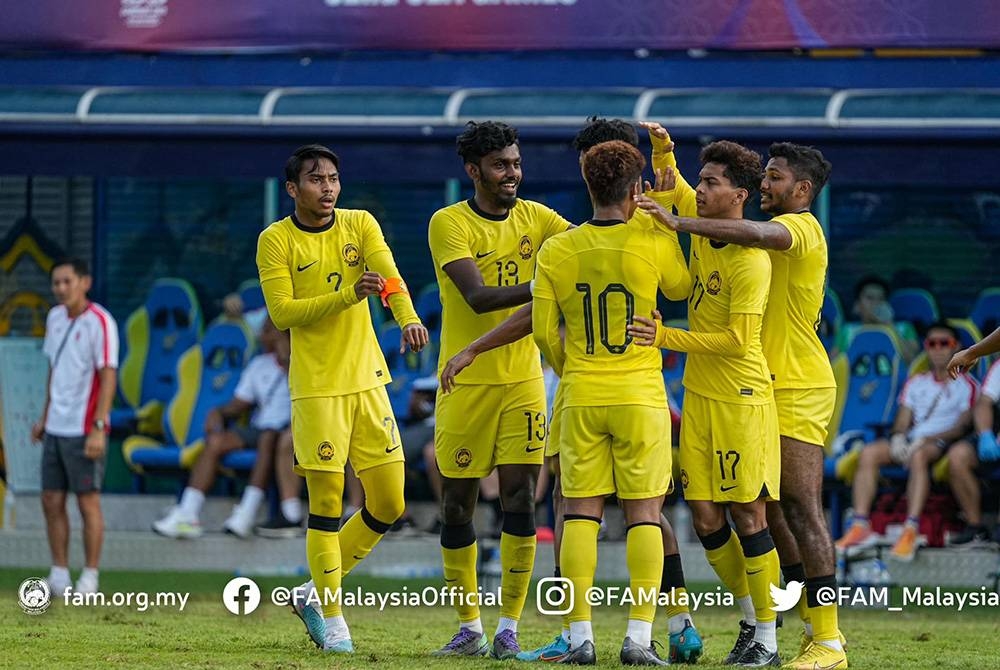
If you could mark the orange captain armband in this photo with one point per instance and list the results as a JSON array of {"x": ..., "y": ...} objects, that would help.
[{"x": 393, "y": 286}]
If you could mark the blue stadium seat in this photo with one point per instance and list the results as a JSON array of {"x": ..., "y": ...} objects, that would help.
[
  {"x": 155, "y": 336},
  {"x": 876, "y": 376},
  {"x": 428, "y": 306},
  {"x": 251, "y": 295},
  {"x": 986, "y": 312},
  {"x": 916, "y": 306},
  {"x": 673, "y": 367},
  {"x": 831, "y": 318},
  {"x": 207, "y": 375},
  {"x": 875, "y": 373}
]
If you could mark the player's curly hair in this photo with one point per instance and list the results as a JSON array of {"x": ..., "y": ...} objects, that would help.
[
  {"x": 600, "y": 130},
  {"x": 309, "y": 152},
  {"x": 479, "y": 139},
  {"x": 610, "y": 170},
  {"x": 743, "y": 166},
  {"x": 806, "y": 163}
]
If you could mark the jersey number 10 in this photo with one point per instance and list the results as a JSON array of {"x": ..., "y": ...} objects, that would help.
[{"x": 603, "y": 316}]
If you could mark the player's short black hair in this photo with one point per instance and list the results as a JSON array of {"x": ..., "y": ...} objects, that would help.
[
  {"x": 743, "y": 167},
  {"x": 600, "y": 130},
  {"x": 479, "y": 139},
  {"x": 944, "y": 325},
  {"x": 309, "y": 152},
  {"x": 610, "y": 170},
  {"x": 79, "y": 266},
  {"x": 871, "y": 280},
  {"x": 806, "y": 163}
]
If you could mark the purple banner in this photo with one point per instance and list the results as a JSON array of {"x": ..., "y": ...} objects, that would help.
[{"x": 495, "y": 25}]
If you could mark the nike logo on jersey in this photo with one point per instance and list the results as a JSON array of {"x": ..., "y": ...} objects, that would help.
[
  {"x": 389, "y": 450},
  {"x": 755, "y": 572},
  {"x": 724, "y": 489},
  {"x": 326, "y": 572},
  {"x": 517, "y": 572},
  {"x": 531, "y": 450},
  {"x": 300, "y": 268},
  {"x": 358, "y": 558},
  {"x": 484, "y": 255}
]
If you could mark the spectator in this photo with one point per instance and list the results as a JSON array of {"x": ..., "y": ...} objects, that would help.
[
  {"x": 934, "y": 411},
  {"x": 871, "y": 307},
  {"x": 966, "y": 457},
  {"x": 263, "y": 386},
  {"x": 81, "y": 343}
]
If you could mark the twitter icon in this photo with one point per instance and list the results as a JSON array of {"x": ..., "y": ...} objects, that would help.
[{"x": 786, "y": 598}]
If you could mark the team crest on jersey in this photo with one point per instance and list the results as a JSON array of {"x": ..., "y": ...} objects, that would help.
[
  {"x": 351, "y": 255},
  {"x": 463, "y": 457},
  {"x": 714, "y": 284},
  {"x": 684, "y": 479},
  {"x": 325, "y": 451},
  {"x": 525, "y": 248}
]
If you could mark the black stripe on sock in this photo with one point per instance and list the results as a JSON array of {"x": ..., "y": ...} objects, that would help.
[
  {"x": 520, "y": 524},
  {"x": 379, "y": 527},
  {"x": 794, "y": 573},
  {"x": 329, "y": 524},
  {"x": 642, "y": 523},
  {"x": 673, "y": 573},
  {"x": 717, "y": 538},
  {"x": 457, "y": 536},
  {"x": 581, "y": 517},
  {"x": 814, "y": 584},
  {"x": 757, "y": 544}
]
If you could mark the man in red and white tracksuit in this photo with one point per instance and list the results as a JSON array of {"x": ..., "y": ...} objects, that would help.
[{"x": 81, "y": 343}]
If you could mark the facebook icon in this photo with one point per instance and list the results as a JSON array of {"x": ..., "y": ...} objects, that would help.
[{"x": 241, "y": 595}]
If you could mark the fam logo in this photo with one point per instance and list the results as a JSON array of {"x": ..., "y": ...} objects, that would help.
[
  {"x": 351, "y": 255},
  {"x": 463, "y": 457},
  {"x": 142, "y": 13},
  {"x": 525, "y": 248},
  {"x": 34, "y": 596},
  {"x": 325, "y": 451},
  {"x": 714, "y": 283}
]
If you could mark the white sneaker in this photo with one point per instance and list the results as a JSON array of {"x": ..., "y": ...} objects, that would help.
[
  {"x": 58, "y": 585},
  {"x": 86, "y": 584},
  {"x": 239, "y": 524},
  {"x": 175, "y": 525}
]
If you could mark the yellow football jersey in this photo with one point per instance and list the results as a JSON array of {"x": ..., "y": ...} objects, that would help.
[
  {"x": 334, "y": 347},
  {"x": 600, "y": 276},
  {"x": 795, "y": 354},
  {"x": 504, "y": 249},
  {"x": 728, "y": 279}
]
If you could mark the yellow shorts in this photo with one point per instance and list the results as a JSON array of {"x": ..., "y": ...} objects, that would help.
[
  {"x": 480, "y": 426},
  {"x": 805, "y": 414},
  {"x": 555, "y": 424},
  {"x": 623, "y": 449},
  {"x": 729, "y": 452},
  {"x": 326, "y": 431}
]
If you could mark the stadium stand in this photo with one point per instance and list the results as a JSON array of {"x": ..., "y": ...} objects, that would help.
[
  {"x": 156, "y": 335},
  {"x": 207, "y": 375},
  {"x": 915, "y": 305},
  {"x": 986, "y": 312}
]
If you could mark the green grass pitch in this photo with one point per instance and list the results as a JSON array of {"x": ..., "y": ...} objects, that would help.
[{"x": 206, "y": 635}]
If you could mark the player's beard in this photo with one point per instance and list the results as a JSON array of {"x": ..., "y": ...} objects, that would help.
[
  {"x": 501, "y": 198},
  {"x": 775, "y": 205}
]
